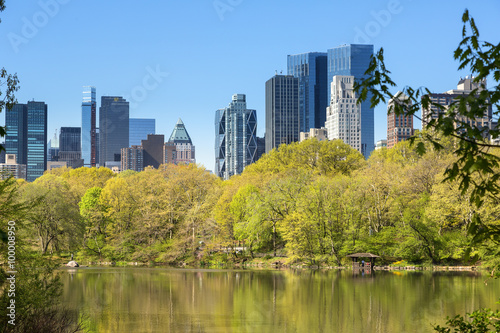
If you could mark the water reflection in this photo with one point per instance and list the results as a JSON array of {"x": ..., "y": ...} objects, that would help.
[{"x": 162, "y": 300}]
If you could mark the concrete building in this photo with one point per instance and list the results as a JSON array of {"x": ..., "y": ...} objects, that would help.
[
  {"x": 12, "y": 168},
  {"x": 319, "y": 133},
  {"x": 132, "y": 158},
  {"x": 399, "y": 127},
  {"x": 465, "y": 87},
  {"x": 343, "y": 118},
  {"x": 184, "y": 148},
  {"x": 153, "y": 150},
  {"x": 381, "y": 144},
  {"x": 235, "y": 137}
]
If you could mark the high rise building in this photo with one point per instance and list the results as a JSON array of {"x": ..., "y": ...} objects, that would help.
[
  {"x": 53, "y": 148},
  {"x": 16, "y": 122},
  {"x": 465, "y": 87},
  {"x": 235, "y": 137},
  {"x": 282, "y": 111},
  {"x": 132, "y": 158},
  {"x": 153, "y": 150},
  {"x": 27, "y": 137},
  {"x": 36, "y": 162},
  {"x": 139, "y": 128},
  {"x": 70, "y": 147},
  {"x": 399, "y": 127},
  {"x": 343, "y": 119},
  {"x": 311, "y": 69},
  {"x": 184, "y": 148},
  {"x": 353, "y": 60},
  {"x": 113, "y": 128},
  {"x": 321, "y": 134},
  {"x": 88, "y": 131}
]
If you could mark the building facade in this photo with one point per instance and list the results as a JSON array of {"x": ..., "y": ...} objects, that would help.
[
  {"x": 282, "y": 111},
  {"x": 26, "y": 127},
  {"x": 343, "y": 120},
  {"x": 113, "y": 128},
  {"x": 132, "y": 158},
  {"x": 465, "y": 87},
  {"x": 89, "y": 127},
  {"x": 353, "y": 60},
  {"x": 321, "y": 134},
  {"x": 311, "y": 70},
  {"x": 235, "y": 137},
  {"x": 399, "y": 127},
  {"x": 11, "y": 168},
  {"x": 153, "y": 150},
  {"x": 139, "y": 128},
  {"x": 184, "y": 148}
]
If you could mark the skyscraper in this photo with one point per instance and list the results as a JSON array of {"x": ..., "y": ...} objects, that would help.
[
  {"x": 88, "y": 129},
  {"x": 343, "y": 120},
  {"x": 139, "y": 128},
  {"x": 113, "y": 128},
  {"x": 353, "y": 60},
  {"x": 311, "y": 69},
  {"x": 235, "y": 137},
  {"x": 27, "y": 137},
  {"x": 132, "y": 158},
  {"x": 282, "y": 111},
  {"x": 184, "y": 148},
  {"x": 399, "y": 127},
  {"x": 70, "y": 147},
  {"x": 153, "y": 150}
]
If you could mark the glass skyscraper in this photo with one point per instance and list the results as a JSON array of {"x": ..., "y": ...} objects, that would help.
[
  {"x": 139, "y": 128},
  {"x": 282, "y": 111},
  {"x": 113, "y": 128},
  {"x": 235, "y": 137},
  {"x": 311, "y": 69},
  {"x": 17, "y": 131},
  {"x": 353, "y": 60},
  {"x": 88, "y": 129}
]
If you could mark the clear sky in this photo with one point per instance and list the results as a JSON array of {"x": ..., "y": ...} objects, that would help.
[{"x": 185, "y": 58}]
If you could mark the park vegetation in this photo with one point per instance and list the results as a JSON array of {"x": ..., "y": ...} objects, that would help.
[{"x": 311, "y": 202}]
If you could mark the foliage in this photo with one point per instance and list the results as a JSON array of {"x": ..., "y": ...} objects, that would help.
[{"x": 481, "y": 321}]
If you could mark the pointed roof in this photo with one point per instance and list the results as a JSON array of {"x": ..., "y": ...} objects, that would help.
[{"x": 180, "y": 134}]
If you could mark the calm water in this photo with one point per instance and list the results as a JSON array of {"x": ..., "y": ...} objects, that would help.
[{"x": 175, "y": 300}]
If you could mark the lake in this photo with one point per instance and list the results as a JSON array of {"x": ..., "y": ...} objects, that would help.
[{"x": 203, "y": 300}]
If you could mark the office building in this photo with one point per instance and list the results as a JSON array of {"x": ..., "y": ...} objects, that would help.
[
  {"x": 132, "y": 158},
  {"x": 235, "y": 137},
  {"x": 311, "y": 70},
  {"x": 343, "y": 119},
  {"x": 261, "y": 148},
  {"x": 16, "y": 121},
  {"x": 353, "y": 60},
  {"x": 465, "y": 87},
  {"x": 26, "y": 127},
  {"x": 53, "y": 149},
  {"x": 399, "y": 127},
  {"x": 282, "y": 111},
  {"x": 169, "y": 153},
  {"x": 113, "y": 129},
  {"x": 381, "y": 144},
  {"x": 321, "y": 134},
  {"x": 10, "y": 168},
  {"x": 70, "y": 147},
  {"x": 184, "y": 148},
  {"x": 139, "y": 128},
  {"x": 89, "y": 127},
  {"x": 153, "y": 150}
]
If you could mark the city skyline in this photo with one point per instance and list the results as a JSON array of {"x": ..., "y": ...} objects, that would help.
[{"x": 152, "y": 63}]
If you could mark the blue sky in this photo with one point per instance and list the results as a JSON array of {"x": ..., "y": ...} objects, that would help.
[{"x": 186, "y": 58}]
